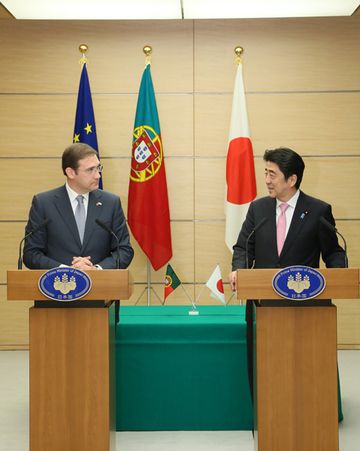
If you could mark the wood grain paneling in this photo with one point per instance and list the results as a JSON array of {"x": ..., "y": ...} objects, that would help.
[
  {"x": 280, "y": 55},
  {"x": 311, "y": 123},
  {"x": 39, "y": 175},
  {"x": 42, "y": 56},
  {"x": 182, "y": 234},
  {"x": 302, "y": 79},
  {"x": 11, "y": 233},
  {"x": 210, "y": 250},
  {"x": 14, "y": 321},
  {"x": 332, "y": 179},
  {"x": 42, "y": 125}
]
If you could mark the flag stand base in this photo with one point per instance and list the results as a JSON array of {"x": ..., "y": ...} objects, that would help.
[{"x": 193, "y": 312}]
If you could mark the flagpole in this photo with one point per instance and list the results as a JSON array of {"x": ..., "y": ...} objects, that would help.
[
  {"x": 148, "y": 288},
  {"x": 83, "y": 48},
  {"x": 238, "y": 52},
  {"x": 194, "y": 310}
]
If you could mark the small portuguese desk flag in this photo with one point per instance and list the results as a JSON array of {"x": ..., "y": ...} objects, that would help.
[
  {"x": 148, "y": 206},
  {"x": 171, "y": 281}
]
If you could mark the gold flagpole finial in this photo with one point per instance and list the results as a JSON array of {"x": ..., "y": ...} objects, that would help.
[
  {"x": 83, "y": 48},
  {"x": 147, "y": 49},
  {"x": 238, "y": 52}
]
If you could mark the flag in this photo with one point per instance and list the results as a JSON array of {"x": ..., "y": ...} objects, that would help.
[
  {"x": 171, "y": 281},
  {"x": 240, "y": 171},
  {"x": 85, "y": 129},
  {"x": 148, "y": 205},
  {"x": 215, "y": 284}
]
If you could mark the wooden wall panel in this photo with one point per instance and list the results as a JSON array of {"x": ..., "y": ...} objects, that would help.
[
  {"x": 301, "y": 121},
  {"x": 210, "y": 250},
  {"x": 42, "y": 125},
  {"x": 348, "y": 319},
  {"x": 4, "y": 13},
  {"x": 11, "y": 234},
  {"x": 280, "y": 55},
  {"x": 302, "y": 79},
  {"x": 42, "y": 56},
  {"x": 14, "y": 322},
  {"x": 23, "y": 178},
  {"x": 331, "y": 179}
]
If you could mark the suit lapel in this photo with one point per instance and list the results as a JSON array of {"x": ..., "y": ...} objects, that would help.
[
  {"x": 63, "y": 205},
  {"x": 297, "y": 222},
  {"x": 95, "y": 207},
  {"x": 270, "y": 225}
]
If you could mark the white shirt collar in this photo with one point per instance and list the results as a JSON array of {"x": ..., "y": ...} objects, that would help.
[
  {"x": 291, "y": 202},
  {"x": 73, "y": 194}
]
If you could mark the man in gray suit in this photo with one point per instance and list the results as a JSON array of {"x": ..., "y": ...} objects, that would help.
[{"x": 64, "y": 220}]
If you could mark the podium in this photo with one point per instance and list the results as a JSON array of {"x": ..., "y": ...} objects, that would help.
[
  {"x": 295, "y": 362},
  {"x": 72, "y": 362}
]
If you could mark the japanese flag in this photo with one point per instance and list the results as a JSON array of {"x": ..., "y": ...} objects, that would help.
[{"x": 215, "y": 285}]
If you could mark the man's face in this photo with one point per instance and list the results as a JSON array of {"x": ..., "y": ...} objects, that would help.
[
  {"x": 86, "y": 177},
  {"x": 276, "y": 184}
]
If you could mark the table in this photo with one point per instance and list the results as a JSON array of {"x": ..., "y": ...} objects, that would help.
[{"x": 182, "y": 372}]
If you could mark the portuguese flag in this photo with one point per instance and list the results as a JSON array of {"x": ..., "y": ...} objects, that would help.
[
  {"x": 171, "y": 282},
  {"x": 148, "y": 206}
]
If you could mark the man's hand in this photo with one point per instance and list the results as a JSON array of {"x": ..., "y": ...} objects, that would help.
[
  {"x": 83, "y": 263},
  {"x": 233, "y": 280}
]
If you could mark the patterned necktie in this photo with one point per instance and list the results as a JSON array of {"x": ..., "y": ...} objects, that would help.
[
  {"x": 80, "y": 216},
  {"x": 281, "y": 228}
]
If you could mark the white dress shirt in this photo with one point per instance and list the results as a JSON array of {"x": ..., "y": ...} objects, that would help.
[{"x": 289, "y": 211}]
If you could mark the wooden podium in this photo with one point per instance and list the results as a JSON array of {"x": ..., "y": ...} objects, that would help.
[
  {"x": 72, "y": 363},
  {"x": 295, "y": 362}
]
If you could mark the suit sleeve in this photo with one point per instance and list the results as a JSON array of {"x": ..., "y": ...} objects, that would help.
[
  {"x": 239, "y": 256},
  {"x": 120, "y": 229},
  {"x": 36, "y": 244},
  {"x": 332, "y": 253}
]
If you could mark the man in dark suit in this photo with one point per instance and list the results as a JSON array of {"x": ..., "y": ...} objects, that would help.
[
  {"x": 60, "y": 238},
  {"x": 305, "y": 238}
]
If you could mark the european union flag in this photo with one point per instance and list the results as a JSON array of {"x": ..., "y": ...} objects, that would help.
[{"x": 85, "y": 129}]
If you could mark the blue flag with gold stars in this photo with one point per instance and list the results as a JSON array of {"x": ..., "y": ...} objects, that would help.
[{"x": 85, "y": 129}]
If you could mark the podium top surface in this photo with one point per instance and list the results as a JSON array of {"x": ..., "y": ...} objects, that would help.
[
  {"x": 108, "y": 284},
  {"x": 341, "y": 283}
]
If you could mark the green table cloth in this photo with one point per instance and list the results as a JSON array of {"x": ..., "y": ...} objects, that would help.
[
  {"x": 181, "y": 372},
  {"x": 176, "y": 371}
]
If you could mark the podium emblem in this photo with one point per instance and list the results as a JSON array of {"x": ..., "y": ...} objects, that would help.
[
  {"x": 64, "y": 284},
  {"x": 298, "y": 283}
]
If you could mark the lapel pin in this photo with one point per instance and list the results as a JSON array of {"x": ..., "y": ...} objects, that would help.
[
  {"x": 98, "y": 204},
  {"x": 303, "y": 214}
]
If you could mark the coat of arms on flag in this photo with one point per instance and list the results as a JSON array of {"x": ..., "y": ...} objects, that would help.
[
  {"x": 148, "y": 206},
  {"x": 171, "y": 281}
]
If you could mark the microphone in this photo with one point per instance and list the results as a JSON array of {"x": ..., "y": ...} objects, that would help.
[
  {"x": 107, "y": 228},
  {"x": 331, "y": 227},
  {"x": 39, "y": 226},
  {"x": 257, "y": 227}
]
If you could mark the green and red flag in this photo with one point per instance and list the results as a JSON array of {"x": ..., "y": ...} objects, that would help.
[
  {"x": 148, "y": 206},
  {"x": 171, "y": 281}
]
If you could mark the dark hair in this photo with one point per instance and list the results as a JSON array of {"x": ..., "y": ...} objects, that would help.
[
  {"x": 289, "y": 162},
  {"x": 74, "y": 153}
]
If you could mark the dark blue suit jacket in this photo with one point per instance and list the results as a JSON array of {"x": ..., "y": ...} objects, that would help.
[
  {"x": 58, "y": 242},
  {"x": 306, "y": 241}
]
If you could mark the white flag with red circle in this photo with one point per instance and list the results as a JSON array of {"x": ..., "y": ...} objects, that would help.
[
  {"x": 240, "y": 170},
  {"x": 215, "y": 284}
]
